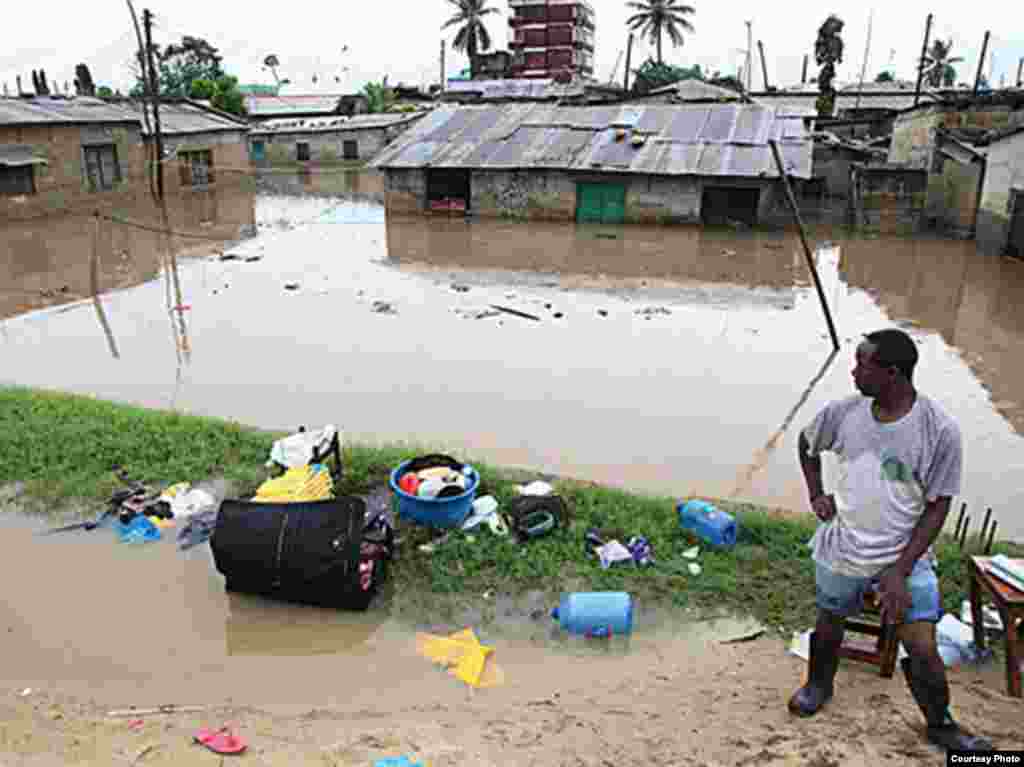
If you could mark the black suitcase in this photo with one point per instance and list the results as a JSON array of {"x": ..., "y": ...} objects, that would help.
[{"x": 324, "y": 553}]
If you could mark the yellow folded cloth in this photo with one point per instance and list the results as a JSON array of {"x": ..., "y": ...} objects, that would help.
[
  {"x": 303, "y": 483},
  {"x": 463, "y": 656}
]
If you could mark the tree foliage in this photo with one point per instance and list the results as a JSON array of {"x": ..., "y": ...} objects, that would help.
[
  {"x": 655, "y": 18},
  {"x": 192, "y": 69},
  {"x": 104, "y": 92},
  {"x": 379, "y": 96},
  {"x": 828, "y": 51},
  {"x": 472, "y": 36},
  {"x": 885, "y": 77}
]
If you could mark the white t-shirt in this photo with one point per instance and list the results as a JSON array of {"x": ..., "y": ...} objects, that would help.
[{"x": 887, "y": 473}]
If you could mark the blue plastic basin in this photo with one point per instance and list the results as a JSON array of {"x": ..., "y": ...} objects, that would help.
[{"x": 435, "y": 512}]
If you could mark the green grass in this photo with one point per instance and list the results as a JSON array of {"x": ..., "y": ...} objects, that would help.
[{"x": 64, "y": 447}]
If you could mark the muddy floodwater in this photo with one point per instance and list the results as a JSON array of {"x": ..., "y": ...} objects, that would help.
[{"x": 667, "y": 360}]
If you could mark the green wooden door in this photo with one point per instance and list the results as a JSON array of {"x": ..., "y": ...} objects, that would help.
[{"x": 600, "y": 203}]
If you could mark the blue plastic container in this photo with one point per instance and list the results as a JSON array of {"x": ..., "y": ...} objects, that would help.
[
  {"x": 435, "y": 512},
  {"x": 595, "y": 613},
  {"x": 710, "y": 524}
]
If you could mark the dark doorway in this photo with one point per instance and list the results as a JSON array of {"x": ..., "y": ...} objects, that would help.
[
  {"x": 1015, "y": 239},
  {"x": 350, "y": 150},
  {"x": 447, "y": 189},
  {"x": 721, "y": 205}
]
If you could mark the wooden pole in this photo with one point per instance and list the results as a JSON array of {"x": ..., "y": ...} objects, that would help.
[
  {"x": 981, "y": 62},
  {"x": 864, "y": 66},
  {"x": 147, "y": 21},
  {"x": 150, "y": 149},
  {"x": 629, "y": 57},
  {"x": 444, "y": 78},
  {"x": 764, "y": 67},
  {"x": 920, "y": 64},
  {"x": 984, "y": 527},
  {"x": 959, "y": 521},
  {"x": 803, "y": 239},
  {"x": 1020, "y": 72},
  {"x": 991, "y": 537},
  {"x": 803, "y": 77}
]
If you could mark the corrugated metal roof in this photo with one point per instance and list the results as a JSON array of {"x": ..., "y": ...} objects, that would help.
[
  {"x": 711, "y": 139},
  {"x": 336, "y": 123},
  {"x": 512, "y": 88},
  {"x": 15, "y": 155},
  {"x": 40, "y": 111},
  {"x": 184, "y": 118},
  {"x": 266, "y": 106}
]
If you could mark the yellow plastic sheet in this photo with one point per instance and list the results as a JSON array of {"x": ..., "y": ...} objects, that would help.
[
  {"x": 302, "y": 483},
  {"x": 464, "y": 656}
]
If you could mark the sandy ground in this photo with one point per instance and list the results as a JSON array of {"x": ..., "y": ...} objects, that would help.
[{"x": 717, "y": 705}]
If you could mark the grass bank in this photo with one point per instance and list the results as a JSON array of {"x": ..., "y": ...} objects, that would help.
[{"x": 64, "y": 447}]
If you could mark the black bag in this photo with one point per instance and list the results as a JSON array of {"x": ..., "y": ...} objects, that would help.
[
  {"x": 534, "y": 516},
  {"x": 313, "y": 553}
]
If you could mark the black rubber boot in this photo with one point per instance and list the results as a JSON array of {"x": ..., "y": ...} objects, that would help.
[
  {"x": 821, "y": 673},
  {"x": 932, "y": 695}
]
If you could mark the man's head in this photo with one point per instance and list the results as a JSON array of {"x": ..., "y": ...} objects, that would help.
[{"x": 885, "y": 359}]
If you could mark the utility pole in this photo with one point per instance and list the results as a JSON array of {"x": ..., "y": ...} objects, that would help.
[
  {"x": 750, "y": 53},
  {"x": 764, "y": 67},
  {"x": 920, "y": 64},
  {"x": 147, "y": 21},
  {"x": 864, "y": 67},
  {"x": 629, "y": 56},
  {"x": 1020, "y": 71},
  {"x": 803, "y": 77},
  {"x": 444, "y": 77},
  {"x": 981, "y": 62}
]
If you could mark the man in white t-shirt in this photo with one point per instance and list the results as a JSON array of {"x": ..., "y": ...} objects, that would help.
[{"x": 900, "y": 461}]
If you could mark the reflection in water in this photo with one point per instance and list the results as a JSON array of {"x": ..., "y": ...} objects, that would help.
[
  {"x": 762, "y": 455},
  {"x": 94, "y": 280},
  {"x": 255, "y": 626}
]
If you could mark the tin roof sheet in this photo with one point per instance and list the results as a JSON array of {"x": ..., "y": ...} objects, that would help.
[
  {"x": 43, "y": 110},
  {"x": 711, "y": 139}
]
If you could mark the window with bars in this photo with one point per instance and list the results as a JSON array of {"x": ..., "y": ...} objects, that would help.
[
  {"x": 196, "y": 167},
  {"x": 101, "y": 167},
  {"x": 17, "y": 180}
]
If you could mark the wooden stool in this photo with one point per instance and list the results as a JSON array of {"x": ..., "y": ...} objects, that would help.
[
  {"x": 1010, "y": 604},
  {"x": 883, "y": 651}
]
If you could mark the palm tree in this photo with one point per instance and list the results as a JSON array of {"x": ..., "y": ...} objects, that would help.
[
  {"x": 938, "y": 65},
  {"x": 472, "y": 35},
  {"x": 655, "y": 17}
]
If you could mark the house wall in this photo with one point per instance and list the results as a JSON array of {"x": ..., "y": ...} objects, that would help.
[
  {"x": 913, "y": 138},
  {"x": 325, "y": 147},
  {"x": 230, "y": 151},
  {"x": 62, "y": 182},
  {"x": 953, "y": 196},
  {"x": 1004, "y": 172},
  {"x": 888, "y": 201},
  {"x": 551, "y": 195}
]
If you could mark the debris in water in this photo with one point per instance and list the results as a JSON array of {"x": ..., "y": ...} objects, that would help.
[
  {"x": 603, "y": 312},
  {"x": 558, "y": 315},
  {"x": 250, "y": 259},
  {"x": 460, "y": 288},
  {"x": 605, "y": 236},
  {"x": 650, "y": 311},
  {"x": 229, "y": 256},
  {"x": 547, "y": 306},
  {"x": 728, "y": 253},
  {"x": 516, "y": 312},
  {"x": 510, "y": 295},
  {"x": 475, "y": 313},
  {"x": 288, "y": 286},
  {"x": 383, "y": 307}
]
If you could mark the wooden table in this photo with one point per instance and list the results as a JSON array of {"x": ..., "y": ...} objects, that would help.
[{"x": 1010, "y": 604}]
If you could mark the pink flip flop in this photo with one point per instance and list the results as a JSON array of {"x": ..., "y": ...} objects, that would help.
[{"x": 221, "y": 741}]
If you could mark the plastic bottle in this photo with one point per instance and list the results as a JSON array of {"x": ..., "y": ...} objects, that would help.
[
  {"x": 595, "y": 613},
  {"x": 712, "y": 525}
]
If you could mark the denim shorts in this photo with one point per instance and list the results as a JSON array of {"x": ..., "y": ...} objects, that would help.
[{"x": 843, "y": 594}]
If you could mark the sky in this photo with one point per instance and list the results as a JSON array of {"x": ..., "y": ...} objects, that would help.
[{"x": 344, "y": 44}]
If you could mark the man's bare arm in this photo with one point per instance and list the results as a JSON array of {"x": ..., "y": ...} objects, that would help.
[
  {"x": 927, "y": 530},
  {"x": 811, "y": 466}
]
